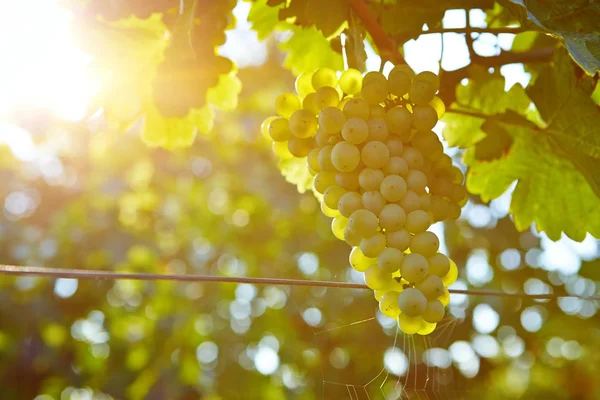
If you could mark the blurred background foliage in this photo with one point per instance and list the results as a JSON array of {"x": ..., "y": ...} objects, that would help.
[{"x": 149, "y": 179}]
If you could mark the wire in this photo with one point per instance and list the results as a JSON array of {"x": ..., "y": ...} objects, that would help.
[{"x": 109, "y": 275}]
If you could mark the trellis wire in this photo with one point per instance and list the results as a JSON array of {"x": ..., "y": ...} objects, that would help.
[{"x": 110, "y": 275}]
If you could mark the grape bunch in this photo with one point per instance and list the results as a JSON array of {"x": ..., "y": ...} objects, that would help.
[{"x": 383, "y": 177}]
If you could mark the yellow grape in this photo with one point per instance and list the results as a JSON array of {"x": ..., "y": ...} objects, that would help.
[
  {"x": 432, "y": 287},
  {"x": 303, "y": 124},
  {"x": 309, "y": 104},
  {"x": 323, "y": 180},
  {"x": 434, "y": 312},
  {"x": 374, "y": 92},
  {"x": 452, "y": 274},
  {"x": 373, "y": 246},
  {"x": 426, "y": 328},
  {"x": 417, "y": 221},
  {"x": 374, "y": 76},
  {"x": 421, "y": 92},
  {"x": 413, "y": 157},
  {"x": 313, "y": 160},
  {"x": 348, "y": 180},
  {"x": 345, "y": 157},
  {"x": 393, "y": 188},
  {"x": 351, "y": 81},
  {"x": 304, "y": 84},
  {"x": 410, "y": 325},
  {"x": 351, "y": 237},
  {"x": 324, "y": 77},
  {"x": 392, "y": 217},
  {"x": 395, "y": 147},
  {"x": 410, "y": 202},
  {"x": 359, "y": 261},
  {"x": 326, "y": 96},
  {"x": 388, "y": 305},
  {"x": 396, "y": 166},
  {"x": 445, "y": 298},
  {"x": 373, "y": 201},
  {"x": 363, "y": 222},
  {"x": 357, "y": 108},
  {"x": 399, "y": 121},
  {"x": 412, "y": 302},
  {"x": 338, "y": 225},
  {"x": 399, "y": 80},
  {"x": 376, "y": 279},
  {"x": 425, "y": 243},
  {"x": 414, "y": 268},
  {"x": 332, "y": 196},
  {"x": 378, "y": 129},
  {"x": 279, "y": 129},
  {"x": 424, "y": 118},
  {"x": 438, "y": 105},
  {"x": 349, "y": 202},
  {"x": 439, "y": 264},
  {"x": 390, "y": 259},
  {"x": 377, "y": 111},
  {"x": 399, "y": 239},
  {"x": 300, "y": 147},
  {"x": 370, "y": 178},
  {"x": 375, "y": 154},
  {"x": 355, "y": 130},
  {"x": 325, "y": 161},
  {"x": 331, "y": 119},
  {"x": 329, "y": 212},
  {"x": 430, "y": 77},
  {"x": 286, "y": 104}
]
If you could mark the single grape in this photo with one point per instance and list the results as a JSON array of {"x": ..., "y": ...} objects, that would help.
[
  {"x": 359, "y": 261},
  {"x": 438, "y": 105},
  {"x": 313, "y": 160},
  {"x": 425, "y": 243},
  {"x": 374, "y": 76},
  {"x": 375, "y": 155},
  {"x": 440, "y": 208},
  {"x": 452, "y": 274},
  {"x": 332, "y": 196},
  {"x": 373, "y": 201},
  {"x": 441, "y": 187},
  {"x": 378, "y": 130},
  {"x": 345, "y": 157},
  {"x": 355, "y": 130},
  {"x": 398, "y": 239},
  {"x": 410, "y": 325},
  {"x": 416, "y": 181},
  {"x": 399, "y": 121},
  {"x": 300, "y": 147},
  {"x": 399, "y": 80},
  {"x": 458, "y": 194},
  {"x": 264, "y": 127},
  {"x": 457, "y": 175},
  {"x": 376, "y": 279},
  {"x": 414, "y": 268},
  {"x": 351, "y": 81},
  {"x": 363, "y": 222},
  {"x": 279, "y": 130},
  {"x": 421, "y": 92},
  {"x": 325, "y": 159},
  {"x": 413, "y": 157},
  {"x": 357, "y": 108},
  {"x": 412, "y": 302},
  {"x": 432, "y": 287},
  {"x": 351, "y": 237},
  {"x": 439, "y": 264},
  {"x": 303, "y": 124},
  {"x": 377, "y": 111},
  {"x": 417, "y": 221},
  {"x": 429, "y": 77},
  {"x": 445, "y": 298},
  {"x": 309, "y": 104},
  {"x": 349, "y": 202},
  {"x": 347, "y": 180},
  {"x": 326, "y": 96},
  {"x": 410, "y": 202},
  {"x": 390, "y": 260},
  {"x": 455, "y": 211},
  {"x": 373, "y": 245},
  {"x": 434, "y": 312},
  {"x": 323, "y": 180},
  {"x": 329, "y": 212},
  {"x": 322, "y": 138},
  {"x": 388, "y": 305},
  {"x": 374, "y": 92},
  {"x": 370, "y": 178},
  {"x": 393, "y": 188},
  {"x": 425, "y": 202},
  {"x": 426, "y": 329},
  {"x": 396, "y": 166},
  {"x": 392, "y": 217},
  {"x": 424, "y": 118},
  {"x": 428, "y": 144},
  {"x": 338, "y": 225},
  {"x": 324, "y": 77},
  {"x": 286, "y": 104},
  {"x": 331, "y": 119},
  {"x": 304, "y": 84}
]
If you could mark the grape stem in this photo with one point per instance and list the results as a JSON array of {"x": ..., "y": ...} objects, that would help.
[{"x": 110, "y": 275}]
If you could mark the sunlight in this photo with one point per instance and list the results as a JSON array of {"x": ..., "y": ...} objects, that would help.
[{"x": 42, "y": 67}]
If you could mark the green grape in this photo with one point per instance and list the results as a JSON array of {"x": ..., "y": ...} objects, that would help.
[
  {"x": 392, "y": 217},
  {"x": 375, "y": 154},
  {"x": 286, "y": 104},
  {"x": 399, "y": 80},
  {"x": 390, "y": 260},
  {"x": 359, "y": 261},
  {"x": 281, "y": 150},
  {"x": 424, "y": 118},
  {"x": 455, "y": 212},
  {"x": 413, "y": 157},
  {"x": 310, "y": 105},
  {"x": 452, "y": 274},
  {"x": 395, "y": 147},
  {"x": 396, "y": 166},
  {"x": 264, "y": 127},
  {"x": 279, "y": 130},
  {"x": 394, "y": 287},
  {"x": 373, "y": 245},
  {"x": 443, "y": 165},
  {"x": 414, "y": 268},
  {"x": 373, "y": 201},
  {"x": 349, "y": 202},
  {"x": 412, "y": 302},
  {"x": 303, "y": 124},
  {"x": 398, "y": 239},
  {"x": 378, "y": 130},
  {"x": 426, "y": 328},
  {"x": 348, "y": 180},
  {"x": 388, "y": 305},
  {"x": 338, "y": 225},
  {"x": 345, "y": 157},
  {"x": 399, "y": 121},
  {"x": 456, "y": 175},
  {"x": 370, "y": 178},
  {"x": 351, "y": 81},
  {"x": 378, "y": 294},
  {"x": 410, "y": 325},
  {"x": 325, "y": 159},
  {"x": 439, "y": 264},
  {"x": 445, "y": 298},
  {"x": 421, "y": 92},
  {"x": 313, "y": 160},
  {"x": 417, "y": 221},
  {"x": 323, "y": 138},
  {"x": 377, "y": 111},
  {"x": 351, "y": 237},
  {"x": 374, "y": 92},
  {"x": 300, "y": 147},
  {"x": 410, "y": 202},
  {"x": 376, "y": 279},
  {"x": 324, "y": 77},
  {"x": 323, "y": 180},
  {"x": 342, "y": 103},
  {"x": 429, "y": 77},
  {"x": 331, "y": 119},
  {"x": 363, "y": 222},
  {"x": 425, "y": 243},
  {"x": 393, "y": 188},
  {"x": 326, "y": 96},
  {"x": 428, "y": 144},
  {"x": 374, "y": 76},
  {"x": 416, "y": 181},
  {"x": 332, "y": 196},
  {"x": 458, "y": 193},
  {"x": 439, "y": 106},
  {"x": 440, "y": 208},
  {"x": 440, "y": 186},
  {"x": 329, "y": 212},
  {"x": 355, "y": 131},
  {"x": 357, "y": 108},
  {"x": 304, "y": 84},
  {"x": 432, "y": 287},
  {"x": 434, "y": 312}
]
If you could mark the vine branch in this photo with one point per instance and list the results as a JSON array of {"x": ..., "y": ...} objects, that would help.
[{"x": 467, "y": 30}]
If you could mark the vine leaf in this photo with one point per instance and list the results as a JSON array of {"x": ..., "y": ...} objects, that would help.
[
  {"x": 225, "y": 95},
  {"x": 295, "y": 172},
  {"x": 173, "y": 133},
  {"x": 307, "y": 49},
  {"x": 328, "y": 16}
]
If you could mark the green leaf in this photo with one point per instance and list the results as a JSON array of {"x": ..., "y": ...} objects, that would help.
[
  {"x": 225, "y": 94},
  {"x": 328, "y": 16},
  {"x": 263, "y": 18},
  {"x": 462, "y": 130},
  {"x": 173, "y": 133},
  {"x": 295, "y": 171},
  {"x": 307, "y": 49},
  {"x": 495, "y": 144}
]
